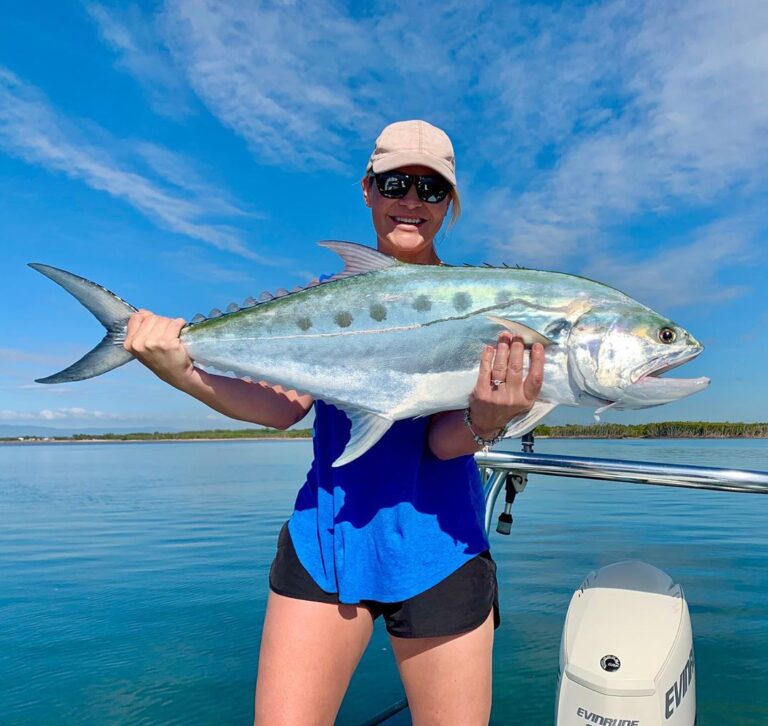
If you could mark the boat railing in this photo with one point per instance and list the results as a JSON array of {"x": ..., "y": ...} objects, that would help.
[{"x": 508, "y": 470}]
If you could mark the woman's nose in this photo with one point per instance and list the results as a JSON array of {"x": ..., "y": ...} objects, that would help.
[{"x": 411, "y": 199}]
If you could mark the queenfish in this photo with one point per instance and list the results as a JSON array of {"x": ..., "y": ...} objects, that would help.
[{"x": 385, "y": 340}]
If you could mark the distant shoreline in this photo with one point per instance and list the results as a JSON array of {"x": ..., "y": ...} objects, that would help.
[
  {"x": 32, "y": 440},
  {"x": 651, "y": 431}
]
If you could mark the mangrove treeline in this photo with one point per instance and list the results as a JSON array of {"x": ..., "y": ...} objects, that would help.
[{"x": 663, "y": 430}]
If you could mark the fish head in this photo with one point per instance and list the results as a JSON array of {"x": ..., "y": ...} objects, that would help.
[{"x": 618, "y": 353}]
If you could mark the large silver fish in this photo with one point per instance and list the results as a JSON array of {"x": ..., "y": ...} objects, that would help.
[{"x": 385, "y": 340}]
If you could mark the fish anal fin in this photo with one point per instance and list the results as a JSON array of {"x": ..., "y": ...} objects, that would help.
[
  {"x": 367, "y": 429},
  {"x": 529, "y": 335},
  {"x": 528, "y": 421}
]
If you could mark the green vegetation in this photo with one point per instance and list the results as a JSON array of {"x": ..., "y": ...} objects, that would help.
[
  {"x": 262, "y": 433},
  {"x": 664, "y": 430}
]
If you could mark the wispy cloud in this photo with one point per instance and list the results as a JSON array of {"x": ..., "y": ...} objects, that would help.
[
  {"x": 272, "y": 74},
  {"x": 179, "y": 171},
  {"x": 660, "y": 108},
  {"x": 15, "y": 355},
  {"x": 59, "y": 414},
  {"x": 686, "y": 272},
  {"x": 39, "y": 388},
  {"x": 194, "y": 264},
  {"x": 32, "y": 130},
  {"x": 140, "y": 51}
]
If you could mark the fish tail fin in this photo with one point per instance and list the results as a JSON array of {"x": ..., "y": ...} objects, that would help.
[{"x": 112, "y": 313}]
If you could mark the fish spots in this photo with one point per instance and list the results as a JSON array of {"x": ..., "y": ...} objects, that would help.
[
  {"x": 304, "y": 323},
  {"x": 462, "y": 301},
  {"x": 502, "y": 296},
  {"x": 422, "y": 303},
  {"x": 343, "y": 319},
  {"x": 377, "y": 311}
]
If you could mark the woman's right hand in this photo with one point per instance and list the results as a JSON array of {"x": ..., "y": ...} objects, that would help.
[{"x": 154, "y": 340}]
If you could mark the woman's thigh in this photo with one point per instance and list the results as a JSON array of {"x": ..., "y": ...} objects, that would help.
[
  {"x": 309, "y": 651},
  {"x": 448, "y": 679}
]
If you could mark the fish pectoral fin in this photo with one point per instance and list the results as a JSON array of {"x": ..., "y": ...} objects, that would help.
[
  {"x": 358, "y": 258},
  {"x": 529, "y": 335},
  {"x": 527, "y": 421},
  {"x": 367, "y": 429}
]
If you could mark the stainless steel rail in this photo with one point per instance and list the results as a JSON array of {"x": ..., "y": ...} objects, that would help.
[
  {"x": 643, "y": 472},
  {"x": 497, "y": 467}
]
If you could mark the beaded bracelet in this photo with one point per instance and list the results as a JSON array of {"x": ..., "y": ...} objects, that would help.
[{"x": 479, "y": 440}]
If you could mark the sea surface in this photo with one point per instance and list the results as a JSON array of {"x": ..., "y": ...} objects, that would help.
[{"x": 133, "y": 579}]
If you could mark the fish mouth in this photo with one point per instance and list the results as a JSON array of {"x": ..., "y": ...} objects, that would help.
[
  {"x": 654, "y": 369},
  {"x": 651, "y": 390}
]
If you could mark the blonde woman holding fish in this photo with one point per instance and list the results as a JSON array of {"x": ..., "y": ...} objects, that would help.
[{"x": 395, "y": 527}]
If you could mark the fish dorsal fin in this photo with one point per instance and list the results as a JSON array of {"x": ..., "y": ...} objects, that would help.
[
  {"x": 367, "y": 428},
  {"x": 358, "y": 258},
  {"x": 529, "y": 335}
]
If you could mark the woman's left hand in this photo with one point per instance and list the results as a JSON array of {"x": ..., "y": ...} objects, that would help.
[{"x": 501, "y": 391}]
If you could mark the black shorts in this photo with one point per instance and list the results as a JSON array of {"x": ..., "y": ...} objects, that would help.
[{"x": 459, "y": 603}]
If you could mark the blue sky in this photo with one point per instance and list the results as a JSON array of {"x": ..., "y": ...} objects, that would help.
[{"x": 189, "y": 153}]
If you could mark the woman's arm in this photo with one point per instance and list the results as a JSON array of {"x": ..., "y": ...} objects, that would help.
[
  {"x": 154, "y": 340},
  {"x": 490, "y": 407}
]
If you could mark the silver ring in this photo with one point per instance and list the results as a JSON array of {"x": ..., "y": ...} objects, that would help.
[{"x": 496, "y": 382}]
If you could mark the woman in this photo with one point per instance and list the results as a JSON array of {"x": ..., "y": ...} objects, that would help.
[{"x": 398, "y": 532}]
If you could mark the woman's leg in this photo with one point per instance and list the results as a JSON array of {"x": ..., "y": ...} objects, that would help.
[
  {"x": 448, "y": 679},
  {"x": 309, "y": 651}
]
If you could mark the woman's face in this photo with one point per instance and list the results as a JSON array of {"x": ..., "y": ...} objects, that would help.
[{"x": 406, "y": 228}]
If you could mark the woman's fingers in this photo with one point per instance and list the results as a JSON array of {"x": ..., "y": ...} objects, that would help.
[
  {"x": 514, "y": 372},
  {"x": 175, "y": 326},
  {"x": 134, "y": 323},
  {"x": 486, "y": 361},
  {"x": 535, "y": 377},
  {"x": 501, "y": 359},
  {"x": 144, "y": 335}
]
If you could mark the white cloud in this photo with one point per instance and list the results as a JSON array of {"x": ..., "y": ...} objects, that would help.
[
  {"x": 59, "y": 414},
  {"x": 309, "y": 84},
  {"x": 39, "y": 388},
  {"x": 279, "y": 76},
  {"x": 133, "y": 36},
  {"x": 15, "y": 355},
  {"x": 685, "y": 273},
  {"x": 179, "y": 171},
  {"x": 681, "y": 88},
  {"x": 32, "y": 130}
]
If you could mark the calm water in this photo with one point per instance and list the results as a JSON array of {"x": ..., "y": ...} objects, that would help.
[{"x": 133, "y": 579}]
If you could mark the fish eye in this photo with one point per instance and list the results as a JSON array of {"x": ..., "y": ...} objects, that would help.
[{"x": 667, "y": 335}]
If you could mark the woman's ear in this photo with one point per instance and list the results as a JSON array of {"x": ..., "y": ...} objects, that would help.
[{"x": 365, "y": 185}]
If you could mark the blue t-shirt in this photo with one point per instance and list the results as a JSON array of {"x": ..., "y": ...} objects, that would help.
[{"x": 390, "y": 524}]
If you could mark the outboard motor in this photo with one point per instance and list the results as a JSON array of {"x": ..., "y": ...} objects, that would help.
[{"x": 626, "y": 655}]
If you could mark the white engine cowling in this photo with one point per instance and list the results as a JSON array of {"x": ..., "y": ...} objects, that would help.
[{"x": 626, "y": 655}]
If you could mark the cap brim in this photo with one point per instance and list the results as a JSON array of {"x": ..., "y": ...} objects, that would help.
[{"x": 397, "y": 159}]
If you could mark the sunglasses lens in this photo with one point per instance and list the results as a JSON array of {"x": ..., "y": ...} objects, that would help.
[
  {"x": 393, "y": 186},
  {"x": 432, "y": 189}
]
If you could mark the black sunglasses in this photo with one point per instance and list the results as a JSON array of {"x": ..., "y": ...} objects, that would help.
[{"x": 431, "y": 188}]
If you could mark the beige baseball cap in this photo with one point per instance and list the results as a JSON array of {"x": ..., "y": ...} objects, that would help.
[{"x": 404, "y": 143}]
